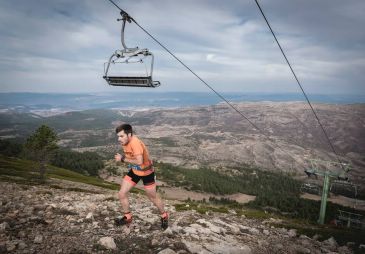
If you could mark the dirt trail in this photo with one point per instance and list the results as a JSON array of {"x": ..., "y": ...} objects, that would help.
[
  {"x": 182, "y": 194},
  {"x": 338, "y": 199}
]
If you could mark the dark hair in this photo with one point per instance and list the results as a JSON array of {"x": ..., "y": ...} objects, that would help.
[{"x": 127, "y": 128}]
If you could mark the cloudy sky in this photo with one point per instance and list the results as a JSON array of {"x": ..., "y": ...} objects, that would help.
[{"x": 61, "y": 45}]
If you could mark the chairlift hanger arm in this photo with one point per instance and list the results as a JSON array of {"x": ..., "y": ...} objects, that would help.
[
  {"x": 346, "y": 167},
  {"x": 316, "y": 172},
  {"x": 125, "y": 18}
]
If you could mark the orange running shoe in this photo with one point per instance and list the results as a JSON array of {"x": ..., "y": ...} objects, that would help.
[
  {"x": 125, "y": 220},
  {"x": 164, "y": 220}
]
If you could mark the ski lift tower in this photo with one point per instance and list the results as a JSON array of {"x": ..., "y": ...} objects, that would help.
[{"x": 327, "y": 169}]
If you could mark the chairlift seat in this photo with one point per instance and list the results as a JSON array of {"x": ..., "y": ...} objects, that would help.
[{"x": 131, "y": 81}]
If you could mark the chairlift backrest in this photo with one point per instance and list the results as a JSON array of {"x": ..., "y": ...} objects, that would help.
[{"x": 344, "y": 188}]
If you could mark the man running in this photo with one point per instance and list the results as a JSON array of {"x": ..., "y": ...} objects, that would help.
[{"x": 140, "y": 167}]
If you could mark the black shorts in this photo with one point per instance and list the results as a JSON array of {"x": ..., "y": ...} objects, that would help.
[{"x": 148, "y": 180}]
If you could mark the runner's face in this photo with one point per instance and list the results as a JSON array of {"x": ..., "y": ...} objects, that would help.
[{"x": 123, "y": 138}]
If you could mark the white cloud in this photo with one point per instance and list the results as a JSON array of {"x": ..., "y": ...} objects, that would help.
[{"x": 63, "y": 44}]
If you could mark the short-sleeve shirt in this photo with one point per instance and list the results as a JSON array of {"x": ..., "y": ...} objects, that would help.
[{"x": 136, "y": 147}]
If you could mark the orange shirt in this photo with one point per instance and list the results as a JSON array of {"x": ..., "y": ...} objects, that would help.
[{"x": 136, "y": 147}]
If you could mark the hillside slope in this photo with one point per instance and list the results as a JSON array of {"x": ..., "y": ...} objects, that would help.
[{"x": 52, "y": 219}]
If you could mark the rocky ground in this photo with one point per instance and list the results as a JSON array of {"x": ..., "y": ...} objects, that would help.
[{"x": 66, "y": 217}]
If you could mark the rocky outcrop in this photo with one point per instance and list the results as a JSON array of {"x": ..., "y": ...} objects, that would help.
[{"x": 52, "y": 219}]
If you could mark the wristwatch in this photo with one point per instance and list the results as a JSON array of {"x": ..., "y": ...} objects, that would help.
[{"x": 122, "y": 158}]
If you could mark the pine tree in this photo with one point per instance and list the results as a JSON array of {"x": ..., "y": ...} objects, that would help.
[{"x": 40, "y": 146}]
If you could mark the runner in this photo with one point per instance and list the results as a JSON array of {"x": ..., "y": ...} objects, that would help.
[{"x": 140, "y": 167}]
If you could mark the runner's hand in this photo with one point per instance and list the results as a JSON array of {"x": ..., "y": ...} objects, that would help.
[{"x": 119, "y": 157}]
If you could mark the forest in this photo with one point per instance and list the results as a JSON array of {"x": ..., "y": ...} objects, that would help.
[
  {"x": 275, "y": 191},
  {"x": 87, "y": 163}
]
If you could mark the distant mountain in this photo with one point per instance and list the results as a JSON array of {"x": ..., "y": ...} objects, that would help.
[
  {"x": 52, "y": 103},
  {"x": 19, "y": 125}
]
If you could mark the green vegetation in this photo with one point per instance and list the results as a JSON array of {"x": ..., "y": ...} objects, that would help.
[
  {"x": 25, "y": 172},
  {"x": 249, "y": 180},
  {"x": 275, "y": 192},
  {"x": 296, "y": 207},
  {"x": 40, "y": 146},
  {"x": 10, "y": 148},
  {"x": 87, "y": 163},
  {"x": 94, "y": 119}
]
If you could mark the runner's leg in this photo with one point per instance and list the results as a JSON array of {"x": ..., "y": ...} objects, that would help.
[
  {"x": 154, "y": 197},
  {"x": 126, "y": 186},
  {"x": 149, "y": 182}
]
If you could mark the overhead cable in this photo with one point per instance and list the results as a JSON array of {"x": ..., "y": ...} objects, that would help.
[{"x": 296, "y": 78}]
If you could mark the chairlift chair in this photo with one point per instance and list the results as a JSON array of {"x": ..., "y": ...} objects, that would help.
[
  {"x": 349, "y": 220},
  {"x": 345, "y": 188},
  {"x": 129, "y": 56}
]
